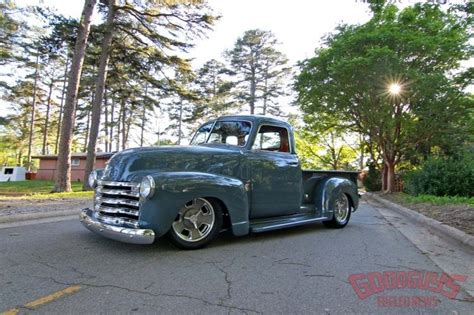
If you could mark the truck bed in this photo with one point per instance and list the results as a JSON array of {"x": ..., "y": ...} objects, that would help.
[
  {"x": 350, "y": 175},
  {"x": 312, "y": 177}
]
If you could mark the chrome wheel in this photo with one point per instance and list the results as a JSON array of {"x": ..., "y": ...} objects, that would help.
[
  {"x": 195, "y": 220},
  {"x": 342, "y": 209}
]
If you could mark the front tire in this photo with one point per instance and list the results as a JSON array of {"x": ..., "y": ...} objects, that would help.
[
  {"x": 198, "y": 222},
  {"x": 342, "y": 212}
]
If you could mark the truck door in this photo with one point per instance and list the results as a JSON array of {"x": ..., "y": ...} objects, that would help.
[{"x": 275, "y": 174}]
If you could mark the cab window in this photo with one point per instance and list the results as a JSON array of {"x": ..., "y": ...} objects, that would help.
[
  {"x": 272, "y": 138},
  {"x": 202, "y": 133}
]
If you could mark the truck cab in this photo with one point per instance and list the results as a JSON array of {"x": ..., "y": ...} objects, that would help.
[{"x": 239, "y": 172}]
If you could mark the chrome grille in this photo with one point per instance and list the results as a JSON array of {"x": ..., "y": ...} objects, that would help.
[{"x": 117, "y": 203}]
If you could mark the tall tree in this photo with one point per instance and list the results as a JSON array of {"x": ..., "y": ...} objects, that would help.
[
  {"x": 168, "y": 26},
  {"x": 63, "y": 174},
  {"x": 12, "y": 31},
  {"x": 33, "y": 111},
  {"x": 260, "y": 69},
  {"x": 100, "y": 89},
  {"x": 416, "y": 51},
  {"x": 328, "y": 150},
  {"x": 213, "y": 86}
]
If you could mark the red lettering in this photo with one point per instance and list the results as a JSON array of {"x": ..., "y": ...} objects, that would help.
[
  {"x": 401, "y": 279},
  {"x": 361, "y": 288},
  {"x": 376, "y": 282},
  {"x": 435, "y": 285},
  {"x": 381, "y": 301},
  {"x": 448, "y": 280},
  {"x": 427, "y": 280},
  {"x": 415, "y": 279},
  {"x": 366, "y": 285},
  {"x": 416, "y": 301},
  {"x": 390, "y": 279}
]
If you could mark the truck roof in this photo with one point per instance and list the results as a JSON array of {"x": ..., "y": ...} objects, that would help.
[{"x": 255, "y": 119}]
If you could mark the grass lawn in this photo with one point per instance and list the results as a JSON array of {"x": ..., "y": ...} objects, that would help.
[
  {"x": 435, "y": 200},
  {"x": 39, "y": 189},
  {"x": 457, "y": 212}
]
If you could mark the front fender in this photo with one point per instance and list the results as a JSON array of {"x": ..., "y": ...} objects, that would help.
[
  {"x": 327, "y": 191},
  {"x": 174, "y": 189}
]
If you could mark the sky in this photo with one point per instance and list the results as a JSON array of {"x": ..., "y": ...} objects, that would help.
[{"x": 297, "y": 24}]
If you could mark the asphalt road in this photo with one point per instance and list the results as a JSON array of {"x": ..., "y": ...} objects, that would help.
[{"x": 61, "y": 267}]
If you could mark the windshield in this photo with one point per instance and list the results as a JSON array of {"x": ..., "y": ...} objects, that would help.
[{"x": 224, "y": 132}]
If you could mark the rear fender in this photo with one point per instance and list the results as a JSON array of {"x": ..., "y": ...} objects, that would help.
[
  {"x": 327, "y": 191},
  {"x": 175, "y": 189}
]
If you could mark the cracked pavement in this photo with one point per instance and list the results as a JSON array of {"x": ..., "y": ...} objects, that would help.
[{"x": 298, "y": 270}]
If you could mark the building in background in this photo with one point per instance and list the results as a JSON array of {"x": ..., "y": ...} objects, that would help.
[{"x": 48, "y": 165}]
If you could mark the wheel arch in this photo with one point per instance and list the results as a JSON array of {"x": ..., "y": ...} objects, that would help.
[
  {"x": 227, "y": 222},
  {"x": 327, "y": 190},
  {"x": 173, "y": 189}
]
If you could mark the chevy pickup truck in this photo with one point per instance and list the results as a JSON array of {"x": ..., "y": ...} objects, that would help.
[{"x": 239, "y": 173}]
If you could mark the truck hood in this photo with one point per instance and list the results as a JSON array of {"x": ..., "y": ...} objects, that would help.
[{"x": 133, "y": 164}]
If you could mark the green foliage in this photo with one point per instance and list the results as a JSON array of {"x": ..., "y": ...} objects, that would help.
[
  {"x": 326, "y": 150},
  {"x": 373, "y": 180},
  {"x": 443, "y": 176},
  {"x": 52, "y": 196},
  {"x": 213, "y": 86},
  {"x": 439, "y": 200},
  {"x": 11, "y": 30},
  {"x": 420, "y": 48},
  {"x": 30, "y": 187},
  {"x": 260, "y": 70}
]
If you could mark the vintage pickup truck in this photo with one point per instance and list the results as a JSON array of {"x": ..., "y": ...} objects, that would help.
[{"x": 239, "y": 173}]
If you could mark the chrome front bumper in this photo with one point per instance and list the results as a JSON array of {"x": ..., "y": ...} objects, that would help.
[{"x": 126, "y": 235}]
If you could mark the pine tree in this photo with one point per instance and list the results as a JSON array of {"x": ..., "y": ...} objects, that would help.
[
  {"x": 63, "y": 174},
  {"x": 259, "y": 69}
]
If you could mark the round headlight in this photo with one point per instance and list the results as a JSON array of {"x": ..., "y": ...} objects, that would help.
[
  {"x": 147, "y": 187},
  {"x": 92, "y": 181}
]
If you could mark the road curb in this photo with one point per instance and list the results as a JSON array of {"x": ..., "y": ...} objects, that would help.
[
  {"x": 36, "y": 215},
  {"x": 435, "y": 225}
]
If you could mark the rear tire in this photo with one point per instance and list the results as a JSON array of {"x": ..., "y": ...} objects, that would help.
[
  {"x": 198, "y": 222},
  {"x": 342, "y": 212}
]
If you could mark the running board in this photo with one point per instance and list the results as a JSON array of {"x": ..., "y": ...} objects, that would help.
[{"x": 264, "y": 225}]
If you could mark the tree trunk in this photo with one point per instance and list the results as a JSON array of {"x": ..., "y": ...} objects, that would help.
[
  {"x": 63, "y": 174},
  {"x": 390, "y": 177},
  {"x": 128, "y": 124},
  {"x": 384, "y": 177},
  {"x": 253, "y": 90},
  {"x": 142, "y": 127},
  {"x": 63, "y": 93},
  {"x": 99, "y": 91},
  {"x": 33, "y": 109},
  {"x": 112, "y": 122},
  {"x": 106, "y": 123},
  {"x": 180, "y": 122},
  {"x": 119, "y": 121},
  {"x": 265, "y": 96},
  {"x": 123, "y": 128},
  {"x": 86, "y": 137},
  {"x": 362, "y": 147},
  {"x": 46, "y": 121}
]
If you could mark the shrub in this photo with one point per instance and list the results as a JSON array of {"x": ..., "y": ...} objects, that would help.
[
  {"x": 441, "y": 176},
  {"x": 373, "y": 180}
]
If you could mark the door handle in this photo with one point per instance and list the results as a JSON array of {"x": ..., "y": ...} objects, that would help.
[{"x": 294, "y": 163}]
